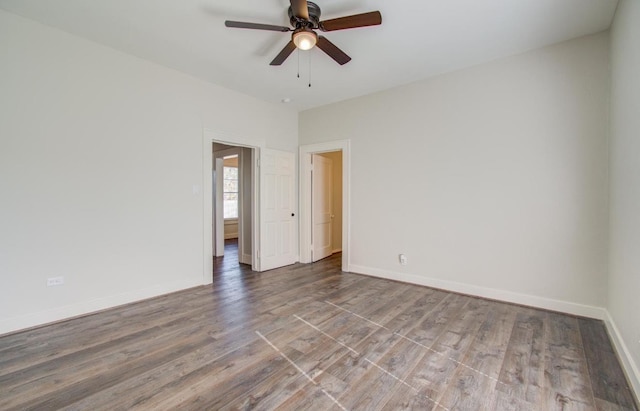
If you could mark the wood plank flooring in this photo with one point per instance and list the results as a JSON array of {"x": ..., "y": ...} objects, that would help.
[{"x": 312, "y": 337}]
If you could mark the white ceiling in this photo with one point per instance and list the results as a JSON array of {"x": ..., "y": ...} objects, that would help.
[{"x": 417, "y": 38}]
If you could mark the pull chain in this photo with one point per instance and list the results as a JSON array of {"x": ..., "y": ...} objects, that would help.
[
  {"x": 309, "y": 68},
  {"x": 298, "y": 54}
]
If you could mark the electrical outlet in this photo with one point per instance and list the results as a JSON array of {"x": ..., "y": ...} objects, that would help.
[
  {"x": 54, "y": 281},
  {"x": 403, "y": 259}
]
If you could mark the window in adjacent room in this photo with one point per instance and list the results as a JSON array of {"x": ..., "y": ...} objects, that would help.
[{"x": 230, "y": 190}]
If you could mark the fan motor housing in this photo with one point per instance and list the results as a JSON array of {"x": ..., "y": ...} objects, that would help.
[{"x": 314, "y": 17}]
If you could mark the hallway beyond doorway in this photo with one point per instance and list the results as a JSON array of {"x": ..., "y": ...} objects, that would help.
[{"x": 229, "y": 263}]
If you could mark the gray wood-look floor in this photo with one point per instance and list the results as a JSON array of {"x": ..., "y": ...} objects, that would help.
[{"x": 311, "y": 337}]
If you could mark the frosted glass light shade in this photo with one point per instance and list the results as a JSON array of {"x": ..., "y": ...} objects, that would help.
[{"x": 305, "y": 39}]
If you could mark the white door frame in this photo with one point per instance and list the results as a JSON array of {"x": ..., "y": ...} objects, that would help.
[
  {"x": 208, "y": 138},
  {"x": 305, "y": 197}
]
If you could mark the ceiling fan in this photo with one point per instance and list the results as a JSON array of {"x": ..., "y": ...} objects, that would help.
[{"x": 305, "y": 19}]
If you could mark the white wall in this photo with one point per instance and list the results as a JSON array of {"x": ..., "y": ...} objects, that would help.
[
  {"x": 99, "y": 155},
  {"x": 624, "y": 277},
  {"x": 492, "y": 180}
]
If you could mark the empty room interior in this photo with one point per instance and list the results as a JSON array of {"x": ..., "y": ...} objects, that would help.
[{"x": 412, "y": 205}]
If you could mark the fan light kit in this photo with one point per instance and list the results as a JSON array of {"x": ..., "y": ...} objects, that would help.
[
  {"x": 304, "y": 39},
  {"x": 304, "y": 17}
]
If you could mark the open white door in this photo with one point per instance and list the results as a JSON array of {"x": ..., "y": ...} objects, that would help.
[
  {"x": 321, "y": 207},
  {"x": 277, "y": 209},
  {"x": 218, "y": 207}
]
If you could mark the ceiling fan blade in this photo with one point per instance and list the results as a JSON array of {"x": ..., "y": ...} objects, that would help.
[
  {"x": 300, "y": 9},
  {"x": 332, "y": 50},
  {"x": 256, "y": 26},
  {"x": 282, "y": 56},
  {"x": 373, "y": 18}
]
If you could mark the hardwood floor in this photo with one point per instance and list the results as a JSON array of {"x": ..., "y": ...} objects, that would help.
[
  {"x": 311, "y": 337},
  {"x": 230, "y": 262}
]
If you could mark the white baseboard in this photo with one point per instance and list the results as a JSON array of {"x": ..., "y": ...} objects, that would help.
[
  {"x": 337, "y": 250},
  {"x": 87, "y": 307},
  {"x": 629, "y": 366},
  {"x": 485, "y": 292}
]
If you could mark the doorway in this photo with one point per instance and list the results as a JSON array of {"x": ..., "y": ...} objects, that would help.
[
  {"x": 324, "y": 221},
  {"x": 326, "y": 204},
  {"x": 232, "y": 211},
  {"x": 273, "y": 206}
]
